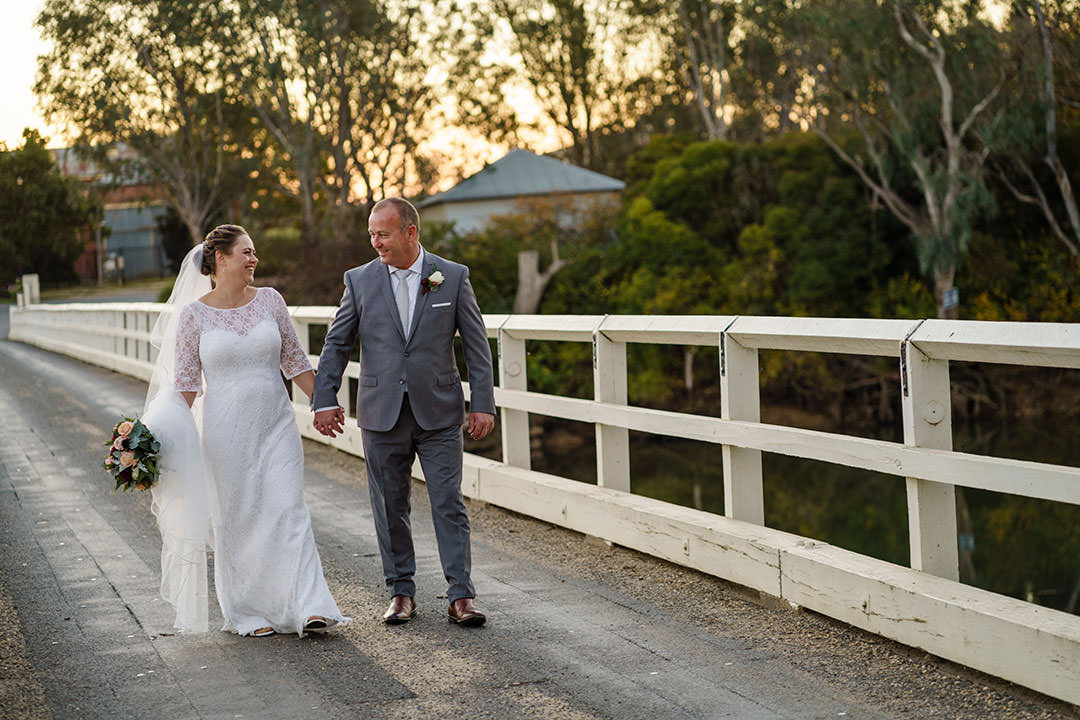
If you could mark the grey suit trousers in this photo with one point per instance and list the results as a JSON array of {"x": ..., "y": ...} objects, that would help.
[{"x": 389, "y": 457}]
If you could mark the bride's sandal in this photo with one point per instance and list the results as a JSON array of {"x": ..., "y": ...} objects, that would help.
[
  {"x": 315, "y": 623},
  {"x": 263, "y": 632}
]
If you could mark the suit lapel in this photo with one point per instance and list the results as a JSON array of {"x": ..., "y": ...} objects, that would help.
[
  {"x": 427, "y": 268},
  {"x": 386, "y": 291}
]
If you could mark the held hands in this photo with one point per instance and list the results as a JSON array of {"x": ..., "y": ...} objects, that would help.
[
  {"x": 330, "y": 422},
  {"x": 480, "y": 424}
]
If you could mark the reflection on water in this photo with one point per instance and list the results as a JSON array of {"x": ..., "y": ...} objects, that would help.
[{"x": 1024, "y": 548}]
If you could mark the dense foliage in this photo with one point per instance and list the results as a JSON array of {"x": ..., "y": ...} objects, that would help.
[{"x": 44, "y": 216}]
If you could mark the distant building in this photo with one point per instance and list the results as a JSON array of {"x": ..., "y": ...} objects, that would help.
[
  {"x": 507, "y": 185},
  {"x": 130, "y": 227}
]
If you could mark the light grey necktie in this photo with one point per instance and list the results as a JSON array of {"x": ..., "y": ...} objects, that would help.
[{"x": 401, "y": 295}]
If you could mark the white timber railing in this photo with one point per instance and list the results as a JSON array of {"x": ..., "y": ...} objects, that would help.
[{"x": 923, "y": 605}]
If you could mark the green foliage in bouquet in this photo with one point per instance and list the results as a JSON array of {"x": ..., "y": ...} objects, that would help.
[{"x": 133, "y": 455}]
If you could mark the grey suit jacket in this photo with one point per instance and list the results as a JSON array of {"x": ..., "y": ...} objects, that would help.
[{"x": 425, "y": 364}]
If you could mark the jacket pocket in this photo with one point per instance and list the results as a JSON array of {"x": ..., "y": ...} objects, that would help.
[
  {"x": 369, "y": 380},
  {"x": 447, "y": 379}
]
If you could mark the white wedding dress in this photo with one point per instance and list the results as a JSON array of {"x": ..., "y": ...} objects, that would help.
[{"x": 267, "y": 569}]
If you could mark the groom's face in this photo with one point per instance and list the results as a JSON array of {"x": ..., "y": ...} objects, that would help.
[{"x": 396, "y": 246}]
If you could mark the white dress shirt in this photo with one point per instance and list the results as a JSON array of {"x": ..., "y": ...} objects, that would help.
[{"x": 414, "y": 284}]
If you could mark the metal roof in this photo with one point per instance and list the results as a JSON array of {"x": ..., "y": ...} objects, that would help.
[{"x": 522, "y": 173}]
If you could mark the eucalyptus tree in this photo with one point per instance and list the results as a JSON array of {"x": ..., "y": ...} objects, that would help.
[
  {"x": 148, "y": 75},
  {"x": 592, "y": 65},
  {"x": 1046, "y": 56},
  {"x": 348, "y": 89},
  {"x": 705, "y": 27},
  {"x": 903, "y": 92},
  {"x": 733, "y": 63}
]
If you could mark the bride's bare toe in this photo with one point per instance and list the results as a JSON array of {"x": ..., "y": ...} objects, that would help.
[{"x": 262, "y": 632}]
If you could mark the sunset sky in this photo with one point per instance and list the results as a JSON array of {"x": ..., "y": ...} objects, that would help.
[
  {"x": 20, "y": 45},
  {"x": 19, "y": 48}
]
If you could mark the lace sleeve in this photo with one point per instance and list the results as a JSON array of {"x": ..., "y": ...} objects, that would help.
[
  {"x": 188, "y": 364},
  {"x": 294, "y": 361}
]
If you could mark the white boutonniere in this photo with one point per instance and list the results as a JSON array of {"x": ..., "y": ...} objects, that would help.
[{"x": 432, "y": 281}]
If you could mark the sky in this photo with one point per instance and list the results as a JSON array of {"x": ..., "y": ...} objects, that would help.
[{"x": 19, "y": 48}]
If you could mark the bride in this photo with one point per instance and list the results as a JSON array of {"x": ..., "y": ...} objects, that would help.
[{"x": 232, "y": 465}]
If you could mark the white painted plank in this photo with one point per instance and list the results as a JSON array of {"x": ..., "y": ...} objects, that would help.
[
  {"x": 1013, "y": 343},
  {"x": 832, "y": 335},
  {"x": 1022, "y": 642},
  {"x": 552, "y": 327},
  {"x": 741, "y": 552},
  {"x": 666, "y": 329}
]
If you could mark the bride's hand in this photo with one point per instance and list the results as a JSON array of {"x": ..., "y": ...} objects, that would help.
[{"x": 330, "y": 422}]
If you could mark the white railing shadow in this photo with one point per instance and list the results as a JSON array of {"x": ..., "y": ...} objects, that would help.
[{"x": 923, "y": 606}]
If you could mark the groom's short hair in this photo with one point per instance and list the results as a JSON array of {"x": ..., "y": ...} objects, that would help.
[{"x": 405, "y": 211}]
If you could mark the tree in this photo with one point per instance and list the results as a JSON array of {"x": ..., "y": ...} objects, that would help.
[
  {"x": 918, "y": 82},
  {"x": 148, "y": 76},
  {"x": 706, "y": 28},
  {"x": 591, "y": 64},
  {"x": 349, "y": 92},
  {"x": 280, "y": 68},
  {"x": 1047, "y": 53},
  {"x": 44, "y": 216}
]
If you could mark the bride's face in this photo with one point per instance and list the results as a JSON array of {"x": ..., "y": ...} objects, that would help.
[{"x": 240, "y": 262}]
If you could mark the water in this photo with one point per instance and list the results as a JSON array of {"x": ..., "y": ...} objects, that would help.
[{"x": 1020, "y": 547}]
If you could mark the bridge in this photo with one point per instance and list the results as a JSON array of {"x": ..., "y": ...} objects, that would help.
[{"x": 586, "y": 646}]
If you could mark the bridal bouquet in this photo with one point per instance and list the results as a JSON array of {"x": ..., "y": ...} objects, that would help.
[{"x": 133, "y": 455}]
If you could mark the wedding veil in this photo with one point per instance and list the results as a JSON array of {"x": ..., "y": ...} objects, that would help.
[{"x": 182, "y": 496}]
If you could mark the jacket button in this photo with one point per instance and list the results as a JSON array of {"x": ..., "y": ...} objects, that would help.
[
  {"x": 401, "y": 382},
  {"x": 406, "y": 354}
]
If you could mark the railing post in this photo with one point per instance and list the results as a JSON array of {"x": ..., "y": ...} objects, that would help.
[
  {"x": 516, "y": 450},
  {"x": 31, "y": 287},
  {"x": 130, "y": 323},
  {"x": 740, "y": 399},
  {"x": 928, "y": 423},
  {"x": 107, "y": 338},
  {"x": 151, "y": 321},
  {"x": 609, "y": 386},
  {"x": 116, "y": 320}
]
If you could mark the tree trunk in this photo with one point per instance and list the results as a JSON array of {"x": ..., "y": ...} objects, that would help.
[
  {"x": 532, "y": 282},
  {"x": 943, "y": 282},
  {"x": 194, "y": 227},
  {"x": 689, "y": 353}
]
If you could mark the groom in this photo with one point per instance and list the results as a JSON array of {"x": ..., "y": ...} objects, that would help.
[{"x": 406, "y": 309}]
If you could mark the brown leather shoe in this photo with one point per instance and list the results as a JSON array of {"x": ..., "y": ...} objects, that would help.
[
  {"x": 401, "y": 610},
  {"x": 464, "y": 613}
]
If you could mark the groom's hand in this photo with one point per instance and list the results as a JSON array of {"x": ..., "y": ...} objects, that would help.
[
  {"x": 480, "y": 424},
  {"x": 330, "y": 422}
]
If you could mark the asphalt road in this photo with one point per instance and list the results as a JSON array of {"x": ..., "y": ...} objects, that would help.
[{"x": 577, "y": 629}]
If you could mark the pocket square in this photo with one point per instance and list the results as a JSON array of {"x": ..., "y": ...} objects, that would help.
[{"x": 445, "y": 304}]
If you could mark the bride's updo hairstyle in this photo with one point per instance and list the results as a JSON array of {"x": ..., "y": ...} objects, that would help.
[{"x": 222, "y": 238}]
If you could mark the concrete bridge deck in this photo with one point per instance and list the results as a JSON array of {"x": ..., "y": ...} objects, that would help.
[{"x": 576, "y": 629}]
